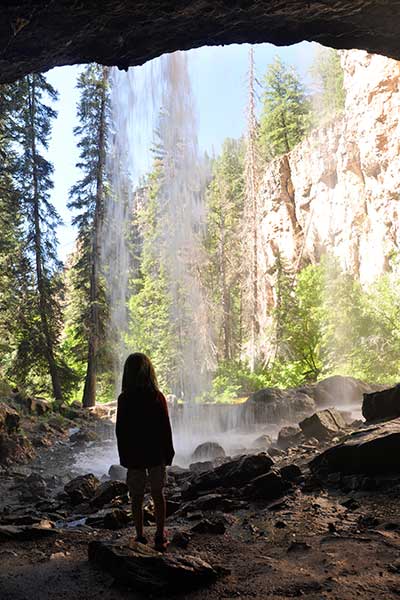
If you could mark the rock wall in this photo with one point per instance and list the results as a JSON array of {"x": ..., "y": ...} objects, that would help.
[{"x": 340, "y": 188}]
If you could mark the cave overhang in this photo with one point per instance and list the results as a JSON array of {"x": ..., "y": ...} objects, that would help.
[{"x": 38, "y": 35}]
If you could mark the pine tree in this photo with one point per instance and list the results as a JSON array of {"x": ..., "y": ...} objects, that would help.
[
  {"x": 88, "y": 198},
  {"x": 15, "y": 276},
  {"x": 33, "y": 181},
  {"x": 251, "y": 217},
  {"x": 152, "y": 329},
  {"x": 222, "y": 272},
  {"x": 330, "y": 95},
  {"x": 285, "y": 113}
]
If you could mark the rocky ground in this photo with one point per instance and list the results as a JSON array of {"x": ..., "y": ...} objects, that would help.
[{"x": 310, "y": 516}]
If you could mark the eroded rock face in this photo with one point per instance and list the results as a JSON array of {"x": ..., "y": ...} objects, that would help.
[
  {"x": 38, "y": 35},
  {"x": 374, "y": 450},
  {"x": 338, "y": 189},
  {"x": 382, "y": 405}
]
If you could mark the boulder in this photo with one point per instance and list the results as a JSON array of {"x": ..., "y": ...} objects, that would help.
[
  {"x": 338, "y": 390},
  {"x": 233, "y": 473},
  {"x": 379, "y": 406},
  {"x": 145, "y": 570},
  {"x": 15, "y": 449},
  {"x": 373, "y": 450},
  {"x": 9, "y": 419},
  {"x": 114, "y": 518},
  {"x": 201, "y": 466},
  {"x": 83, "y": 436},
  {"x": 269, "y": 486},
  {"x": 289, "y": 436},
  {"x": 323, "y": 425},
  {"x": 82, "y": 488},
  {"x": 212, "y": 526},
  {"x": 263, "y": 441},
  {"x": 108, "y": 491},
  {"x": 207, "y": 451},
  {"x": 117, "y": 473},
  {"x": 291, "y": 473},
  {"x": 33, "y": 487},
  {"x": 274, "y": 405}
]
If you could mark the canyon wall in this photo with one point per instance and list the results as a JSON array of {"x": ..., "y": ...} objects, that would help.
[{"x": 339, "y": 190}]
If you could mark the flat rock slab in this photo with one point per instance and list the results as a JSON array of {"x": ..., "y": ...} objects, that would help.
[
  {"x": 26, "y": 532},
  {"x": 146, "y": 570},
  {"x": 374, "y": 450}
]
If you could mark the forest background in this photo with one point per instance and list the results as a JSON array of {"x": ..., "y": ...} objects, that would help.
[{"x": 56, "y": 339}]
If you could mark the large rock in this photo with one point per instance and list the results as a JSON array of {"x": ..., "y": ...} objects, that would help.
[
  {"x": 234, "y": 473},
  {"x": 338, "y": 390},
  {"x": 373, "y": 450},
  {"x": 269, "y": 486},
  {"x": 208, "y": 451},
  {"x": 27, "y": 532},
  {"x": 82, "y": 489},
  {"x": 323, "y": 424},
  {"x": 382, "y": 405},
  {"x": 15, "y": 449},
  {"x": 108, "y": 491},
  {"x": 274, "y": 405},
  {"x": 33, "y": 405},
  {"x": 117, "y": 473},
  {"x": 127, "y": 33},
  {"x": 289, "y": 436},
  {"x": 150, "y": 572},
  {"x": 9, "y": 418}
]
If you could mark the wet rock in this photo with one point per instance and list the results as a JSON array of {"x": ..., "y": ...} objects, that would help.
[
  {"x": 114, "y": 518},
  {"x": 207, "y": 451},
  {"x": 274, "y": 405},
  {"x": 373, "y": 450},
  {"x": 171, "y": 507},
  {"x": 34, "y": 486},
  {"x": 267, "y": 487},
  {"x": 382, "y": 405},
  {"x": 323, "y": 425},
  {"x": 82, "y": 488},
  {"x": 276, "y": 452},
  {"x": 201, "y": 467},
  {"x": 27, "y": 532},
  {"x": 83, "y": 436},
  {"x": 15, "y": 449},
  {"x": 117, "y": 473},
  {"x": 338, "y": 390},
  {"x": 263, "y": 441},
  {"x": 151, "y": 572},
  {"x": 9, "y": 419},
  {"x": 210, "y": 526},
  {"x": 210, "y": 502},
  {"x": 289, "y": 436},
  {"x": 233, "y": 473},
  {"x": 290, "y": 473},
  {"x": 108, "y": 491}
]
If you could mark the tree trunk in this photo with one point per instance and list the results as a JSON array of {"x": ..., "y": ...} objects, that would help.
[
  {"x": 89, "y": 390},
  {"x": 41, "y": 284}
]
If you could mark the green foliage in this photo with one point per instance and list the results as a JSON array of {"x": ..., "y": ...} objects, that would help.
[
  {"x": 330, "y": 95},
  {"x": 285, "y": 114},
  {"x": 221, "y": 274},
  {"x": 151, "y": 326}
]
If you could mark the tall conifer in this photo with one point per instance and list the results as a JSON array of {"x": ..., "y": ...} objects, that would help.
[{"x": 87, "y": 198}]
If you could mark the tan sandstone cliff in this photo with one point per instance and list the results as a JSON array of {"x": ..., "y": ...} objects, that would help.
[{"x": 340, "y": 188}]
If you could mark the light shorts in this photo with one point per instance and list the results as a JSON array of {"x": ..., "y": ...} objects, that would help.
[{"x": 136, "y": 480}]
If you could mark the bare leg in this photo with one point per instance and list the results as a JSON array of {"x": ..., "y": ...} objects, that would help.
[
  {"x": 137, "y": 510},
  {"x": 159, "y": 508}
]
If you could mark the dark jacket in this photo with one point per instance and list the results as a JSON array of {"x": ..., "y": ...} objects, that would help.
[{"x": 143, "y": 429}]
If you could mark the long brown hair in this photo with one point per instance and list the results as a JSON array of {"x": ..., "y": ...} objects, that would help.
[{"x": 139, "y": 373}]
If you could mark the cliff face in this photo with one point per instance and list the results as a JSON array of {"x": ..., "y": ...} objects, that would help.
[{"x": 339, "y": 190}]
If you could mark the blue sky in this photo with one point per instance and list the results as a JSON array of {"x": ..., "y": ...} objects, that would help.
[{"x": 218, "y": 76}]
